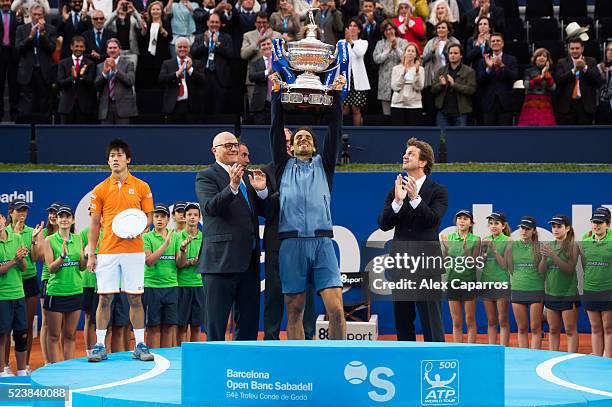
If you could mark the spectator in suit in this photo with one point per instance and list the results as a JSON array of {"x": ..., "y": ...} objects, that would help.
[
  {"x": 183, "y": 23},
  {"x": 242, "y": 20},
  {"x": 496, "y": 74},
  {"x": 484, "y": 9},
  {"x": 214, "y": 49},
  {"x": 453, "y": 89},
  {"x": 578, "y": 80},
  {"x": 387, "y": 54},
  {"x": 539, "y": 85},
  {"x": 126, "y": 22},
  {"x": 411, "y": 27},
  {"x": 74, "y": 21},
  {"x": 441, "y": 11},
  {"x": 604, "y": 110},
  {"x": 115, "y": 82},
  {"x": 35, "y": 43},
  {"x": 200, "y": 14},
  {"x": 75, "y": 78},
  {"x": 22, "y": 8},
  {"x": 182, "y": 78},
  {"x": 155, "y": 38},
  {"x": 285, "y": 21},
  {"x": 415, "y": 207},
  {"x": 480, "y": 43},
  {"x": 229, "y": 259},
  {"x": 259, "y": 71},
  {"x": 9, "y": 58},
  {"x": 329, "y": 21},
  {"x": 96, "y": 38}
]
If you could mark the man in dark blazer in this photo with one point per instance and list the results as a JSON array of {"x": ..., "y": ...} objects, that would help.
[
  {"x": 215, "y": 50},
  {"x": 72, "y": 22},
  {"x": 229, "y": 259},
  {"x": 496, "y": 74},
  {"x": 35, "y": 43},
  {"x": 485, "y": 9},
  {"x": 115, "y": 82},
  {"x": 75, "y": 78},
  {"x": 96, "y": 38},
  {"x": 415, "y": 207},
  {"x": 9, "y": 58},
  {"x": 259, "y": 70},
  {"x": 577, "y": 104},
  {"x": 182, "y": 77},
  {"x": 329, "y": 21}
]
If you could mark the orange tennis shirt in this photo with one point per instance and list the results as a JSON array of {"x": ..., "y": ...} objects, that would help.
[{"x": 109, "y": 198}]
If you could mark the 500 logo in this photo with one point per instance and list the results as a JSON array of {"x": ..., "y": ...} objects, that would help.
[
  {"x": 356, "y": 372},
  {"x": 439, "y": 382}
]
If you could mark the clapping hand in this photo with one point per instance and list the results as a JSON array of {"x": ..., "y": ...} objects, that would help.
[
  {"x": 258, "y": 180},
  {"x": 37, "y": 230},
  {"x": 22, "y": 251},
  {"x": 339, "y": 83},
  {"x": 235, "y": 172},
  {"x": 546, "y": 250},
  {"x": 450, "y": 79},
  {"x": 442, "y": 80},
  {"x": 488, "y": 60},
  {"x": 400, "y": 190},
  {"x": 580, "y": 64}
]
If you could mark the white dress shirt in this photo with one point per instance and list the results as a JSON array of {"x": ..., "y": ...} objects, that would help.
[
  {"x": 263, "y": 194},
  {"x": 186, "y": 91}
]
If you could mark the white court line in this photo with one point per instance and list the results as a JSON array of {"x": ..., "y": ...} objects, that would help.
[
  {"x": 161, "y": 365},
  {"x": 544, "y": 370}
]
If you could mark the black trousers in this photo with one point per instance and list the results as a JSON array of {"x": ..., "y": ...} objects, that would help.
[
  {"x": 576, "y": 114},
  {"x": 182, "y": 115},
  {"x": 222, "y": 291},
  {"x": 35, "y": 100},
  {"x": 406, "y": 117},
  {"x": 497, "y": 116},
  {"x": 604, "y": 113},
  {"x": 77, "y": 116},
  {"x": 8, "y": 74},
  {"x": 215, "y": 95},
  {"x": 274, "y": 302},
  {"x": 430, "y": 315}
]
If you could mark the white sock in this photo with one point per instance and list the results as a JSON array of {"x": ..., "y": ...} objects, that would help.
[
  {"x": 22, "y": 373},
  {"x": 139, "y": 335},
  {"x": 88, "y": 352},
  {"x": 100, "y": 336}
]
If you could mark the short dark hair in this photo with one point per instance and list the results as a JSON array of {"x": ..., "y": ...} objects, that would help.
[
  {"x": 77, "y": 38},
  {"x": 575, "y": 40},
  {"x": 118, "y": 144},
  {"x": 263, "y": 14},
  {"x": 115, "y": 40},
  {"x": 448, "y": 25},
  {"x": 426, "y": 153},
  {"x": 455, "y": 45},
  {"x": 357, "y": 22},
  {"x": 305, "y": 128},
  {"x": 497, "y": 34},
  {"x": 386, "y": 23}
]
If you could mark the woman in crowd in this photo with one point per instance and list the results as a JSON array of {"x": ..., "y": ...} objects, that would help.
[
  {"x": 559, "y": 264},
  {"x": 440, "y": 11},
  {"x": 464, "y": 245},
  {"x": 64, "y": 256},
  {"x": 181, "y": 15},
  {"x": 435, "y": 57},
  {"x": 603, "y": 115},
  {"x": 407, "y": 80},
  {"x": 539, "y": 85},
  {"x": 286, "y": 21},
  {"x": 155, "y": 37},
  {"x": 527, "y": 293},
  {"x": 387, "y": 54},
  {"x": 357, "y": 96},
  {"x": 480, "y": 43},
  {"x": 410, "y": 28},
  {"x": 596, "y": 255},
  {"x": 18, "y": 213},
  {"x": 126, "y": 22},
  {"x": 497, "y": 249}
]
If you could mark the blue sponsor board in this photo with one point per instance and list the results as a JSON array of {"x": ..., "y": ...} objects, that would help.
[{"x": 341, "y": 373}]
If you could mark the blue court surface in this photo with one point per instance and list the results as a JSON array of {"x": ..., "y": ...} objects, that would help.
[{"x": 235, "y": 374}]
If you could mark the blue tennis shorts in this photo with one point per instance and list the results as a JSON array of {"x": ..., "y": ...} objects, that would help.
[{"x": 308, "y": 260}]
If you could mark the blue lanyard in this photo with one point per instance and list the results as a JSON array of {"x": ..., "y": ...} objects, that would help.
[
  {"x": 285, "y": 24},
  {"x": 211, "y": 43}
]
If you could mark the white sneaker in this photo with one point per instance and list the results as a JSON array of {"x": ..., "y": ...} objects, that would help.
[
  {"x": 28, "y": 370},
  {"x": 4, "y": 374},
  {"x": 8, "y": 371}
]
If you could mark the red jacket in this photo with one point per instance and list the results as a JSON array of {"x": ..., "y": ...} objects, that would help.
[{"x": 412, "y": 34}]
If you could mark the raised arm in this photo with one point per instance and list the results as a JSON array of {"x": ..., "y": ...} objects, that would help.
[
  {"x": 329, "y": 154},
  {"x": 277, "y": 130}
]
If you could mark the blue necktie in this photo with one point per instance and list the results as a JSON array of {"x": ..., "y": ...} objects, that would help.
[
  {"x": 98, "y": 39},
  {"x": 243, "y": 189}
]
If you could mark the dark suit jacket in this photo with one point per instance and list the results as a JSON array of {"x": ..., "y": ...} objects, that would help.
[
  {"x": 590, "y": 82},
  {"x": 67, "y": 30},
  {"x": 497, "y": 16},
  {"x": 81, "y": 91},
  {"x": 416, "y": 230},
  {"x": 13, "y": 24},
  {"x": 496, "y": 83},
  {"x": 332, "y": 26},
  {"x": 195, "y": 81},
  {"x": 90, "y": 44},
  {"x": 125, "y": 99},
  {"x": 240, "y": 24},
  {"x": 25, "y": 47},
  {"x": 223, "y": 54},
  {"x": 229, "y": 226},
  {"x": 257, "y": 75},
  {"x": 271, "y": 242}
]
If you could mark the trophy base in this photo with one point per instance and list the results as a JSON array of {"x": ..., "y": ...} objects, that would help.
[{"x": 307, "y": 90}]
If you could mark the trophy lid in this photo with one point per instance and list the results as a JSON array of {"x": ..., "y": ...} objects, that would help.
[{"x": 311, "y": 28}]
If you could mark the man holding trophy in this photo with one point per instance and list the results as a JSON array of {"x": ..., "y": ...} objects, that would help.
[{"x": 305, "y": 180}]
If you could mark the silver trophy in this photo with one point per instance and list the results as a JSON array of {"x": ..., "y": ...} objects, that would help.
[{"x": 311, "y": 56}]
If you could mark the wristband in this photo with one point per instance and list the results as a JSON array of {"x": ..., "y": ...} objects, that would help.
[
  {"x": 63, "y": 257},
  {"x": 34, "y": 242},
  {"x": 183, "y": 249}
]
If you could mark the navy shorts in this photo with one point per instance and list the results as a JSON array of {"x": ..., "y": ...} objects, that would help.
[
  {"x": 90, "y": 301},
  {"x": 60, "y": 303},
  {"x": 308, "y": 260},
  {"x": 161, "y": 306},
  {"x": 120, "y": 310},
  {"x": 13, "y": 315},
  {"x": 43, "y": 288},
  {"x": 527, "y": 297},
  {"x": 598, "y": 305},
  {"x": 31, "y": 287},
  {"x": 190, "y": 306},
  {"x": 560, "y": 304}
]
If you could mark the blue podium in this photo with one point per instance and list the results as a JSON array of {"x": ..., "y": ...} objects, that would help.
[{"x": 341, "y": 373}]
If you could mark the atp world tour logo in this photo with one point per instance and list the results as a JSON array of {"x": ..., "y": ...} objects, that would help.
[{"x": 439, "y": 382}]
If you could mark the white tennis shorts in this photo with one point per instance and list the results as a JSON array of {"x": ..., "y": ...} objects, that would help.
[{"x": 120, "y": 272}]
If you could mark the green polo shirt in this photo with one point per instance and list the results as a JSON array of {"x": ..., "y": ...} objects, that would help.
[
  {"x": 89, "y": 278},
  {"x": 455, "y": 249},
  {"x": 11, "y": 284},
  {"x": 26, "y": 240},
  {"x": 598, "y": 259},
  {"x": 493, "y": 272},
  {"x": 164, "y": 273},
  {"x": 67, "y": 279},
  {"x": 189, "y": 276},
  {"x": 558, "y": 282},
  {"x": 526, "y": 276}
]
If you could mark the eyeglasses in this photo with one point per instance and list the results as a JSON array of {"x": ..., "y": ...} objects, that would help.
[
  {"x": 98, "y": 18},
  {"x": 228, "y": 146}
]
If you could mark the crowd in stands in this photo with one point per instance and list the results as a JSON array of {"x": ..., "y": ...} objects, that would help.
[{"x": 413, "y": 62}]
